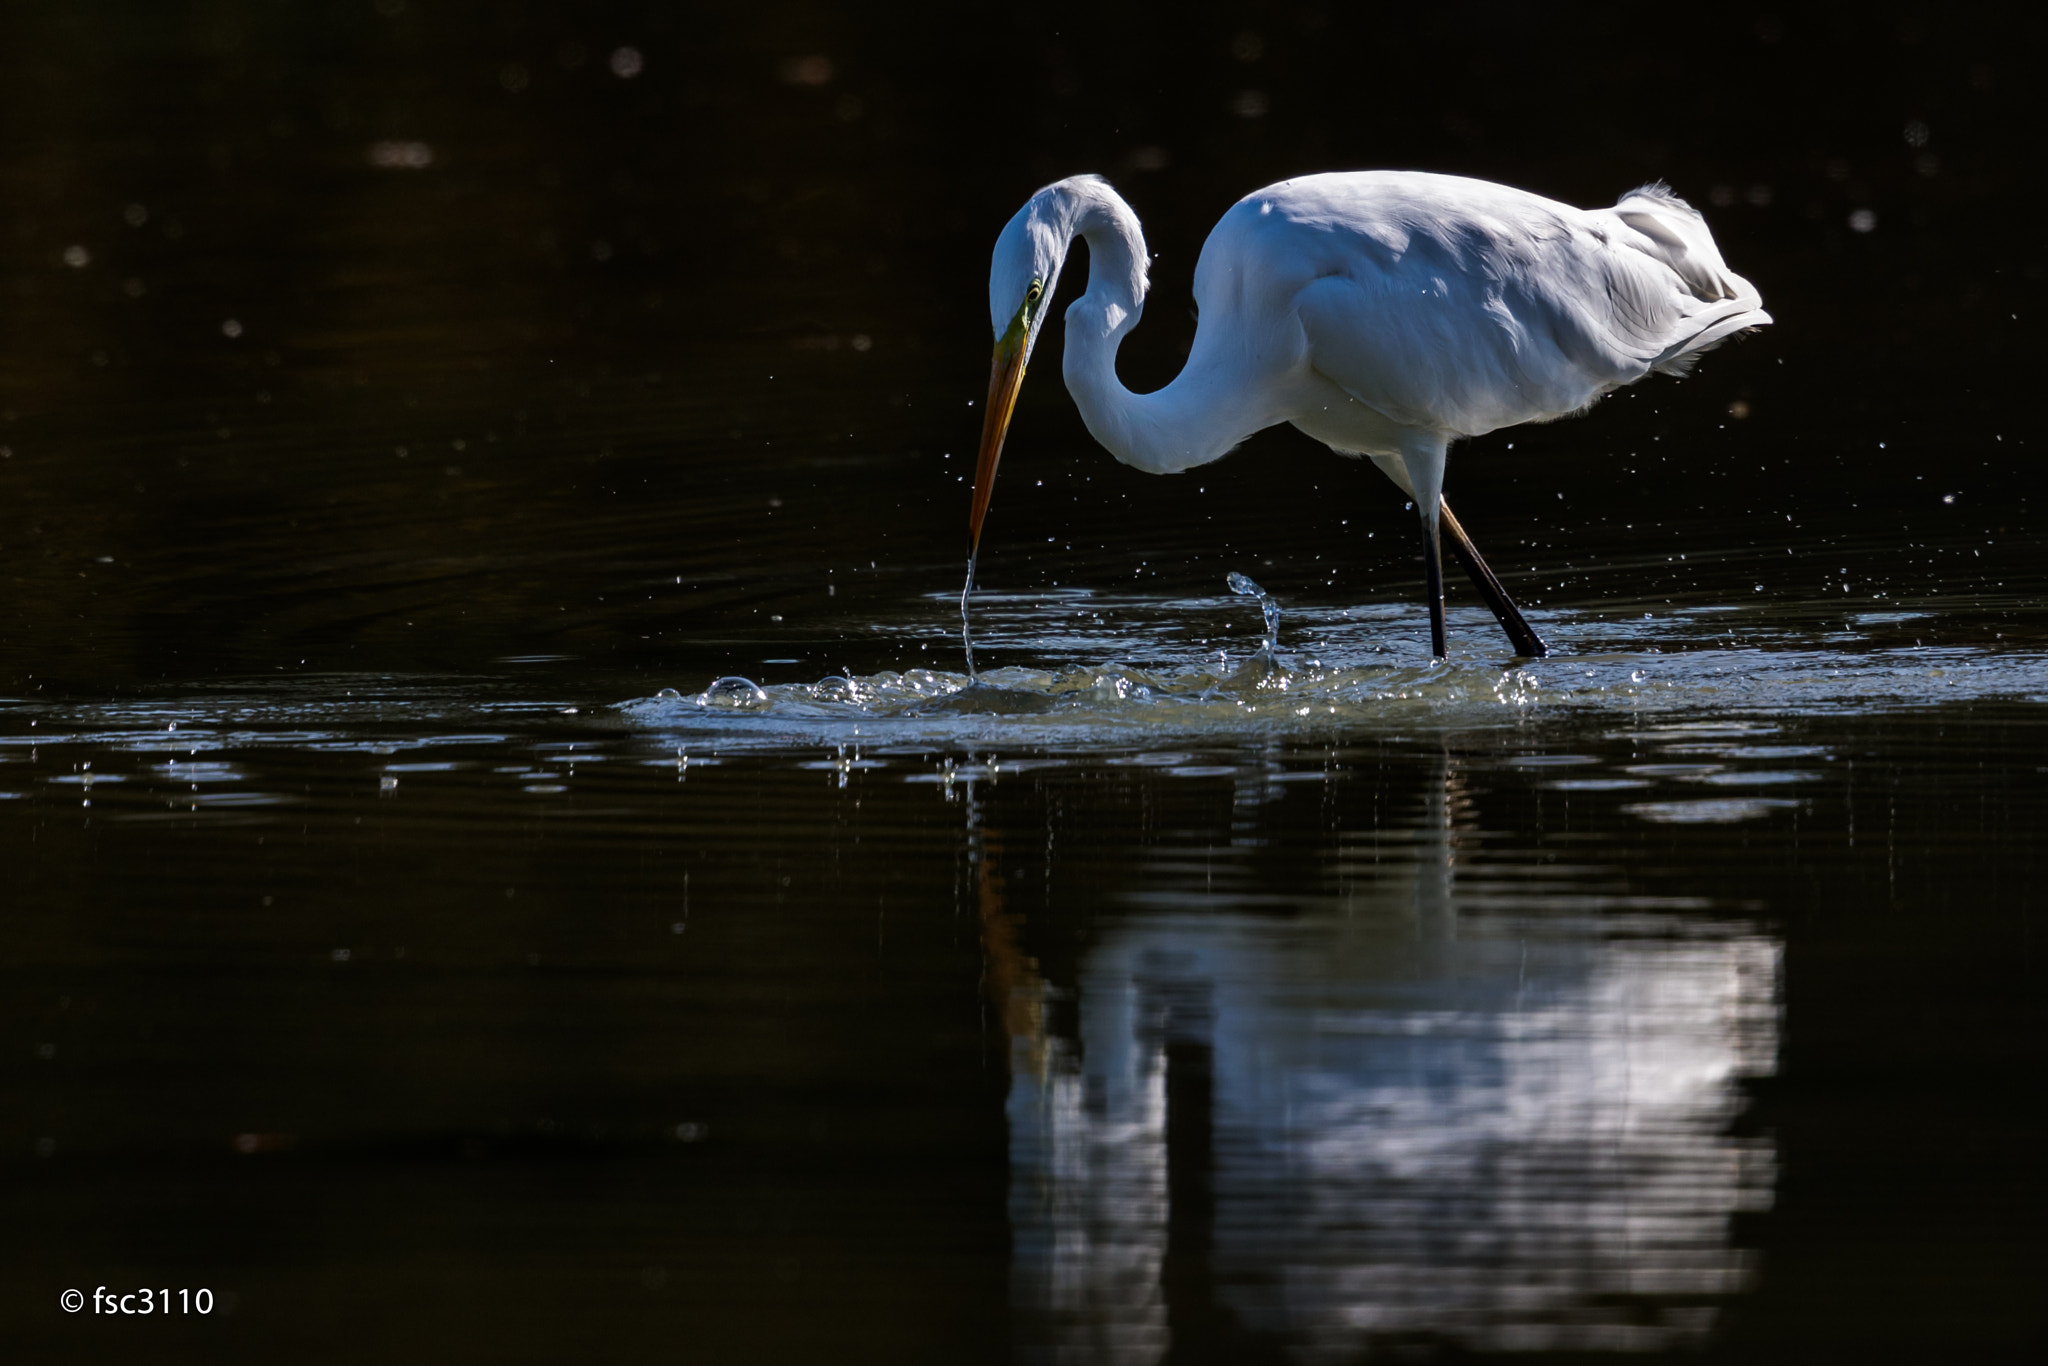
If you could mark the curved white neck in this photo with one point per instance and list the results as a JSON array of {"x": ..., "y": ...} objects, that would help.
[{"x": 1189, "y": 422}]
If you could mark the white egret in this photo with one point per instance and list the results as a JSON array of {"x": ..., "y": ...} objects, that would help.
[{"x": 1384, "y": 313}]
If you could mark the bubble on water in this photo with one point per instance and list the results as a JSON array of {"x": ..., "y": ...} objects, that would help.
[
  {"x": 836, "y": 688},
  {"x": 734, "y": 693},
  {"x": 668, "y": 695}
]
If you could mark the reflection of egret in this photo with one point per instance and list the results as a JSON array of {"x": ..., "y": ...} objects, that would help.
[
  {"x": 1407, "y": 1111},
  {"x": 1385, "y": 313}
]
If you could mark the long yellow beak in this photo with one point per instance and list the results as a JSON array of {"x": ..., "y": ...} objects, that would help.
[{"x": 1005, "y": 378}]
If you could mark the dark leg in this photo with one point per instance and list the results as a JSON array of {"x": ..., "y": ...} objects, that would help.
[
  {"x": 1525, "y": 640},
  {"x": 1433, "y": 567}
]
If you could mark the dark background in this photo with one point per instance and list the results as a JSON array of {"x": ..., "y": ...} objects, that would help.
[{"x": 569, "y": 319}]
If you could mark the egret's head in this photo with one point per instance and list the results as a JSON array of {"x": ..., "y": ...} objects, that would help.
[
  {"x": 1024, "y": 269},
  {"x": 1026, "y": 266}
]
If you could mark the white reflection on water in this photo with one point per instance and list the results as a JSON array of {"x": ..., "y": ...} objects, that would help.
[{"x": 1415, "y": 1119}]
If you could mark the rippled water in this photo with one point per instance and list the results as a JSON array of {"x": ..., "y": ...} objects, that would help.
[
  {"x": 1355, "y": 673},
  {"x": 1447, "y": 1020},
  {"x": 504, "y": 856}
]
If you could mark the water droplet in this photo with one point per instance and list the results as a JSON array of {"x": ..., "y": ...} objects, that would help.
[{"x": 1244, "y": 587}]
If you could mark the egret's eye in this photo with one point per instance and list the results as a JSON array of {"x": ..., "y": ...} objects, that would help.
[{"x": 1031, "y": 294}]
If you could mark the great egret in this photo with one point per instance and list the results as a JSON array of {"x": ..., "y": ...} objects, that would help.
[{"x": 1384, "y": 313}]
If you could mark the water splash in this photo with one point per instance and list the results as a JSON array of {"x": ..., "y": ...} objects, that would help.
[
  {"x": 1190, "y": 698},
  {"x": 967, "y": 591},
  {"x": 1089, "y": 704},
  {"x": 1244, "y": 587},
  {"x": 1103, "y": 669}
]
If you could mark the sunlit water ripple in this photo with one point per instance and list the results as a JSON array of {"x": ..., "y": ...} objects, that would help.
[
  {"x": 1176, "y": 670},
  {"x": 1678, "y": 716}
]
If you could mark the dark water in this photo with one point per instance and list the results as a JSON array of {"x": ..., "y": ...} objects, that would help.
[{"x": 396, "y": 399}]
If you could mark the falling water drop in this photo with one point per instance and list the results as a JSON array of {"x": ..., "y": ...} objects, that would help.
[
  {"x": 967, "y": 591},
  {"x": 1244, "y": 587}
]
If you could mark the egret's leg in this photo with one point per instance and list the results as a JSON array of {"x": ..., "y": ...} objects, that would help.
[
  {"x": 1520, "y": 634},
  {"x": 1433, "y": 568},
  {"x": 1422, "y": 459}
]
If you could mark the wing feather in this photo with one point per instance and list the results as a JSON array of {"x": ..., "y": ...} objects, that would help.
[{"x": 1462, "y": 306}]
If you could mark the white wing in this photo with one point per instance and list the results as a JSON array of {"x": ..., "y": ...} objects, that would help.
[{"x": 1460, "y": 306}]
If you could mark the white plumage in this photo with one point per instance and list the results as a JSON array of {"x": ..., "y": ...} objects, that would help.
[{"x": 1384, "y": 313}]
